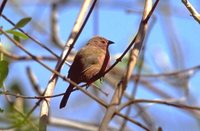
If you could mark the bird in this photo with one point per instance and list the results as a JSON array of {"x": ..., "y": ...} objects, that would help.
[{"x": 89, "y": 64}]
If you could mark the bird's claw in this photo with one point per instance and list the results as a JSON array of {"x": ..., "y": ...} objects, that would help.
[
  {"x": 86, "y": 87},
  {"x": 101, "y": 80}
]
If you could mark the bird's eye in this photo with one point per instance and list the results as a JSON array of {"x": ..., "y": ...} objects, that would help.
[{"x": 103, "y": 42}]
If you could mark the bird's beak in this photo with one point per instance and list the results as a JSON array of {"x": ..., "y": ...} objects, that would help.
[{"x": 110, "y": 42}]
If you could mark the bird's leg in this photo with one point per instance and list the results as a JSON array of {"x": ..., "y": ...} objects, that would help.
[
  {"x": 80, "y": 86},
  {"x": 75, "y": 89},
  {"x": 87, "y": 85}
]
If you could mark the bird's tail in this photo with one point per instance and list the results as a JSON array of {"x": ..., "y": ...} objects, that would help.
[{"x": 66, "y": 96}]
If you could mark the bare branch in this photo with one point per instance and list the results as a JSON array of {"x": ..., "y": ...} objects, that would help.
[
  {"x": 178, "y": 105},
  {"x": 54, "y": 26},
  {"x": 25, "y": 58},
  {"x": 184, "y": 72},
  {"x": 138, "y": 40},
  {"x": 77, "y": 125},
  {"x": 27, "y": 52},
  {"x": 78, "y": 27},
  {"x": 35, "y": 40},
  {"x": 133, "y": 121},
  {"x": 192, "y": 10},
  {"x": 33, "y": 81},
  {"x": 3, "y": 4}
]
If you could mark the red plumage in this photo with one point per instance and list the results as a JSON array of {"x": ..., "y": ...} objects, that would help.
[{"x": 89, "y": 63}]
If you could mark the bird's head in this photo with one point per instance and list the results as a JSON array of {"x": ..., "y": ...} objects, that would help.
[{"x": 101, "y": 42}]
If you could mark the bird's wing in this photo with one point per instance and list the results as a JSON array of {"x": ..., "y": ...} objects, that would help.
[
  {"x": 90, "y": 72},
  {"x": 87, "y": 63},
  {"x": 81, "y": 63},
  {"x": 91, "y": 61},
  {"x": 75, "y": 68}
]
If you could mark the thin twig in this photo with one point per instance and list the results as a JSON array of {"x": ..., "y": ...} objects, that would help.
[
  {"x": 76, "y": 125},
  {"x": 19, "y": 58},
  {"x": 192, "y": 10},
  {"x": 155, "y": 89},
  {"x": 3, "y": 4},
  {"x": 178, "y": 105},
  {"x": 133, "y": 121},
  {"x": 28, "y": 97},
  {"x": 44, "y": 97},
  {"x": 28, "y": 58},
  {"x": 35, "y": 40},
  {"x": 187, "y": 72},
  {"x": 33, "y": 81},
  {"x": 54, "y": 26}
]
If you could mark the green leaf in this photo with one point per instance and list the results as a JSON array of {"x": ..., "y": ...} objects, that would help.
[
  {"x": 17, "y": 34},
  {"x": 23, "y": 22},
  {"x": 3, "y": 71},
  {"x": 16, "y": 38}
]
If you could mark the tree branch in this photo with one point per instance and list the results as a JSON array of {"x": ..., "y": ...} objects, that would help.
[
  {"x": 3, "y": 4},
  {"x": 78, "y": 27},
  {"x": 192, "y": 10},
  {"x": 178, "y": 105},
  {"x": 138, "y": 40},
  {"x": 54, "y": 26}
]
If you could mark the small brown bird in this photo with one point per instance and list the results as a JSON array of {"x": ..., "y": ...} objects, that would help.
[{"x": 90, "y": 62}]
